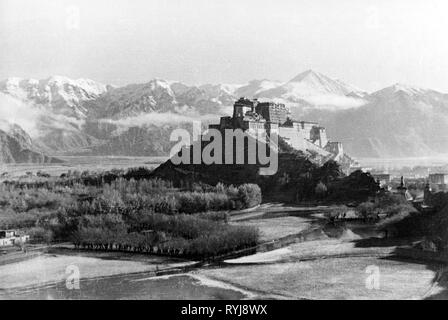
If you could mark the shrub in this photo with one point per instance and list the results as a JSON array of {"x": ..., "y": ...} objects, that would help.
[
  {"x": 214, "y": 216},
  {"x": 388, "y": 204},
  {"x": 227, "y": 240},
  {"x": 125, "y": 210},
  {"x": 192, "y": 236},
  {"x": 39, "y": 234},
  {"x": 192, "y": 202},
  {"x": 320, "y": 190},
  {"x": 367, "y": 209},
  {"x": 249, "y": 195},
  {"x": 337, "y": 213},
  {"x": 358, "y": 186}
]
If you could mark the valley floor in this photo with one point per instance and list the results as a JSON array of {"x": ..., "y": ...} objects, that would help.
[
  {"x": 80, "y": 163},
  {"x": 322, "y": 263}
]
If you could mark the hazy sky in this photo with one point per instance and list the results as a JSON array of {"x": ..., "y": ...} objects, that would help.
[{"x": 370, "y": 44}]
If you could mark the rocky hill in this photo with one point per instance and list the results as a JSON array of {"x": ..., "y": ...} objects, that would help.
[{"x": 16, "y": 147}]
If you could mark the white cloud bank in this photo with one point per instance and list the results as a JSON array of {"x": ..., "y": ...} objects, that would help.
[
  {"x": 34, "y": 119},
  {"x": 161, "y": 119},
  {"x": 335, "y": 101},
  {"x": 14, "y": 111}
]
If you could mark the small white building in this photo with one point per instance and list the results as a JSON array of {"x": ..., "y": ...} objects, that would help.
[
  {"x": 383, "y": 178},
  {"x": 438, "y": 181},
  {"x": 438, "y": 178},
  {"x": 11, "y": 237}
]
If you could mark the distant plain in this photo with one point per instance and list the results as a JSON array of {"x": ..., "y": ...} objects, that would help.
[{"x": 82, "y": 163}]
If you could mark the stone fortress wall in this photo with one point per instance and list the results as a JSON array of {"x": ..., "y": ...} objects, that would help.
[{"x": 255, "y": 117}]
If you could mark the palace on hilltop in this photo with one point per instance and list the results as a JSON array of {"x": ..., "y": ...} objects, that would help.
[
  {"x": 254, "y": 117},
  {"x": 259, "y": 121}
]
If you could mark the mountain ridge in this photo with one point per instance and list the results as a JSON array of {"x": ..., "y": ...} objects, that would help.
[
  {"x": 85, "y": 116},
  {"x": 16, "y": 146}
]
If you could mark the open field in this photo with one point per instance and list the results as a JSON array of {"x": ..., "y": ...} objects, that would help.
[
  {"x": 332, "y": 278},
  {"x": 284, "y": 226},
  {"x": 312, "y": 250},
  {"x": 396, "y": 163},
  {"x": 52, "y": 268},
  {"x": 276, "y": 220},
  {"x": 333, "y": 263},
  {"x": 328, "y": 269},
  {"x": 330, "y": 265},
  {"x": 105, "y": 276},
  {"x": 91, "y": 163}
]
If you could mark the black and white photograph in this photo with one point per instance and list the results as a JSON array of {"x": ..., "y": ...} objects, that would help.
[{"x": 206, "y": 150}]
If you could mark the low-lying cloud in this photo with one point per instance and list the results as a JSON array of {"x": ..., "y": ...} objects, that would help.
[
  {"x": 335, "y": 101},
  {"x": 160, "y": 119},
  {"x": 14, "y": 111},
  {"x": 33, "y": 118}
]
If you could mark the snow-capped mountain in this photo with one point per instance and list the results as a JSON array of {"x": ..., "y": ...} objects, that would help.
[
  {"x": 311, "y": 83},
  {"x": 133, "y": 100},
  {"x": 71, "y": 116},
  {"x": 405, "y": 90},
  {"x": 217, "y": 90},
  {"x": 52, "y": 110},
  {"x": 255, "y": 87},
  {"x": 398, "y": 121},
  {"x": 313, "y": 89},
  {"x": 60, "y": 94},
  {"x": 83, "y": 116},
  {"x": 159, "y": 96}
]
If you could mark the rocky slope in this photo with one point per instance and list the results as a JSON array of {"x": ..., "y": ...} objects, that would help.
[
  {"x": 16, "y": 147},
  {"x": 398, "y": 121},
  {"x": 60, "y": 95}
]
